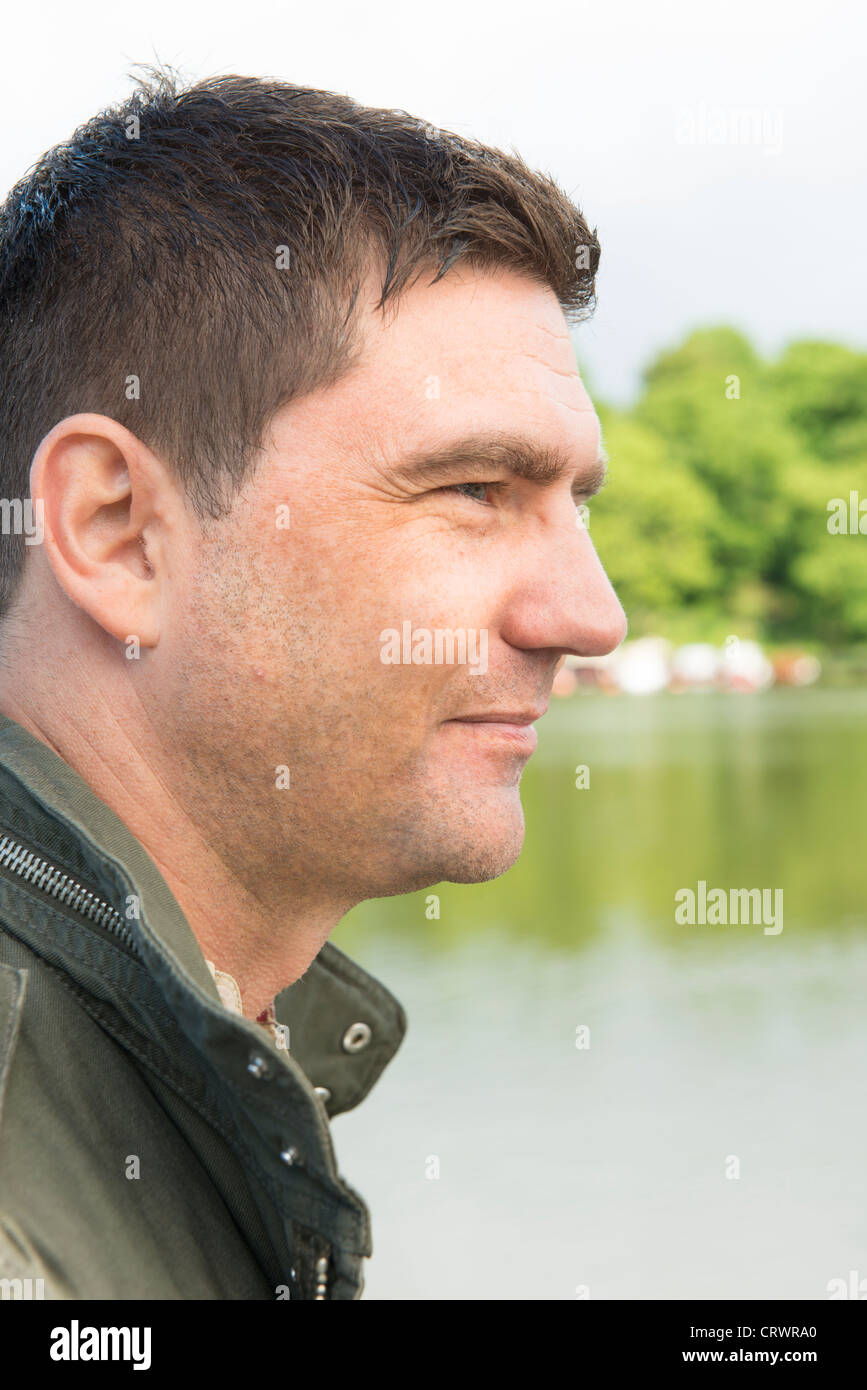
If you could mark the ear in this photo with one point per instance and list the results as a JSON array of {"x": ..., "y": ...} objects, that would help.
[{"x": 109, "y": 513}]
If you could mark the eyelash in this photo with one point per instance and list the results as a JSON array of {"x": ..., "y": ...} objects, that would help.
[{"x": 456, "y": 488}]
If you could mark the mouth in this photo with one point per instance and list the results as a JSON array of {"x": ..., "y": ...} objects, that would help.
[{"x": 513, "y": 728}]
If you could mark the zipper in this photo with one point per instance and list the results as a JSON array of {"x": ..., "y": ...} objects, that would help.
[
  {"x": 321, "y": 1279},
  {"x": 28, "y": 866},
  {"x": 310, "y": 1263}
]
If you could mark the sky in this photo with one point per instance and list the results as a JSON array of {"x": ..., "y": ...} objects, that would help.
[{"x": 719, "y": 150}]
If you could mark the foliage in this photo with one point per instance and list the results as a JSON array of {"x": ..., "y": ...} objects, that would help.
[{"x": 716, "y": 515}]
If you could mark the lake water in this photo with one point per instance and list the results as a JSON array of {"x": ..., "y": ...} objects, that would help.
[{"x": 711, "y": 1141}]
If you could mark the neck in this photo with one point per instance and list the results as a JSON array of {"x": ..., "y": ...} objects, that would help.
[{"x": 251, "y": 913}]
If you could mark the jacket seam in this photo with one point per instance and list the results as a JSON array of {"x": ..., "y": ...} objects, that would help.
[
  {"x": 10, "y": 1036},
  {"x": 80, "y": 940}
]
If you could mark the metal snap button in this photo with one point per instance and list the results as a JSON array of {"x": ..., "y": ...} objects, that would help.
[
  {"x": 356, "y": 1037},
  {"x": 323, "y": 1093},
  {"x": 258, "y": 1066},
  {"x": 290, "y": 1155}
]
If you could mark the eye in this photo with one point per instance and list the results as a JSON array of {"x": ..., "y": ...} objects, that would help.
[{"x": 467, "y": 490}]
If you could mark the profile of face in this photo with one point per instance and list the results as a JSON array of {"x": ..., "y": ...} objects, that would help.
[
  {"x": 401, "y": 772},
  {"x": 317, "y": 746}
]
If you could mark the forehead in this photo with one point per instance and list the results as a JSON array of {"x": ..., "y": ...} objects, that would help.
[
  {"x": 481, "y": 350},
  {"x": 476, "y": 339}
]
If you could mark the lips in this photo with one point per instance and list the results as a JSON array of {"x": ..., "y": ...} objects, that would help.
[
  {"x": 500, "y": 717},
  {"x": 497, "y": 728}
]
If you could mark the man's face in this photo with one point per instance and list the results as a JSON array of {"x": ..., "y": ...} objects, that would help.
[{"x": 401, "y": 773}]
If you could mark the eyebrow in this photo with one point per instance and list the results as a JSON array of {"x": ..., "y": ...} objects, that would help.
[{"x": 516, "y": 454}]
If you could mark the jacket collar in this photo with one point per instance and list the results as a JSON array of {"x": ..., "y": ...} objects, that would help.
[{"x": 323, "y": 1010}]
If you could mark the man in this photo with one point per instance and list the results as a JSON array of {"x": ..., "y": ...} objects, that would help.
[{"x": 289, "y": 400}]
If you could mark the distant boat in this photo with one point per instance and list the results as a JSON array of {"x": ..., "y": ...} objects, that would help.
[{"x": 651, "y": 664}]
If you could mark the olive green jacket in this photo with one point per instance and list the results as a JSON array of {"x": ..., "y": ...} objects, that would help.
[{"x": 152, "y": 1143}]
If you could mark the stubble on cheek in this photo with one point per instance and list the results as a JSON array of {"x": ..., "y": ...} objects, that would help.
[{"x": 283, "y": 670}]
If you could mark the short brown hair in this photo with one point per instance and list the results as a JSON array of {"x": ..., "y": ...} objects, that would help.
[{"x": 209, "y": 242}]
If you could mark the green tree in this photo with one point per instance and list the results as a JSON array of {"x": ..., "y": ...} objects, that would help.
[
  {"x": 721, "y": 475},
  {"x": 651, "y": 524}
]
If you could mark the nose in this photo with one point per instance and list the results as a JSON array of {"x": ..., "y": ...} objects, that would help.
[{"x": 561, "y": 599}]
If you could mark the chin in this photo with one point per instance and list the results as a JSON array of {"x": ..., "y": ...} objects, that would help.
[
  {"x": 485, "y": 852},
  {"x": 447, "y": 840},
  {"x": 481, "y": 871}
]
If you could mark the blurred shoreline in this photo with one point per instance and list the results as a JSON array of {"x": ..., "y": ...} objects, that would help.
[{"x": 650, "y": 665}]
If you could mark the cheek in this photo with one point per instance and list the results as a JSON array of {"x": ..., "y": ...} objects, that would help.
[{"x": 347, "y": 593}]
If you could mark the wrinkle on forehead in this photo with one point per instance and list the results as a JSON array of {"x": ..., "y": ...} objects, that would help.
[
  {"x": 562, "y": 336},
  {"x": 460, "y": 307},
  {"x": 495, "y": 342},
  {"x": 570, "y": 375}
]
